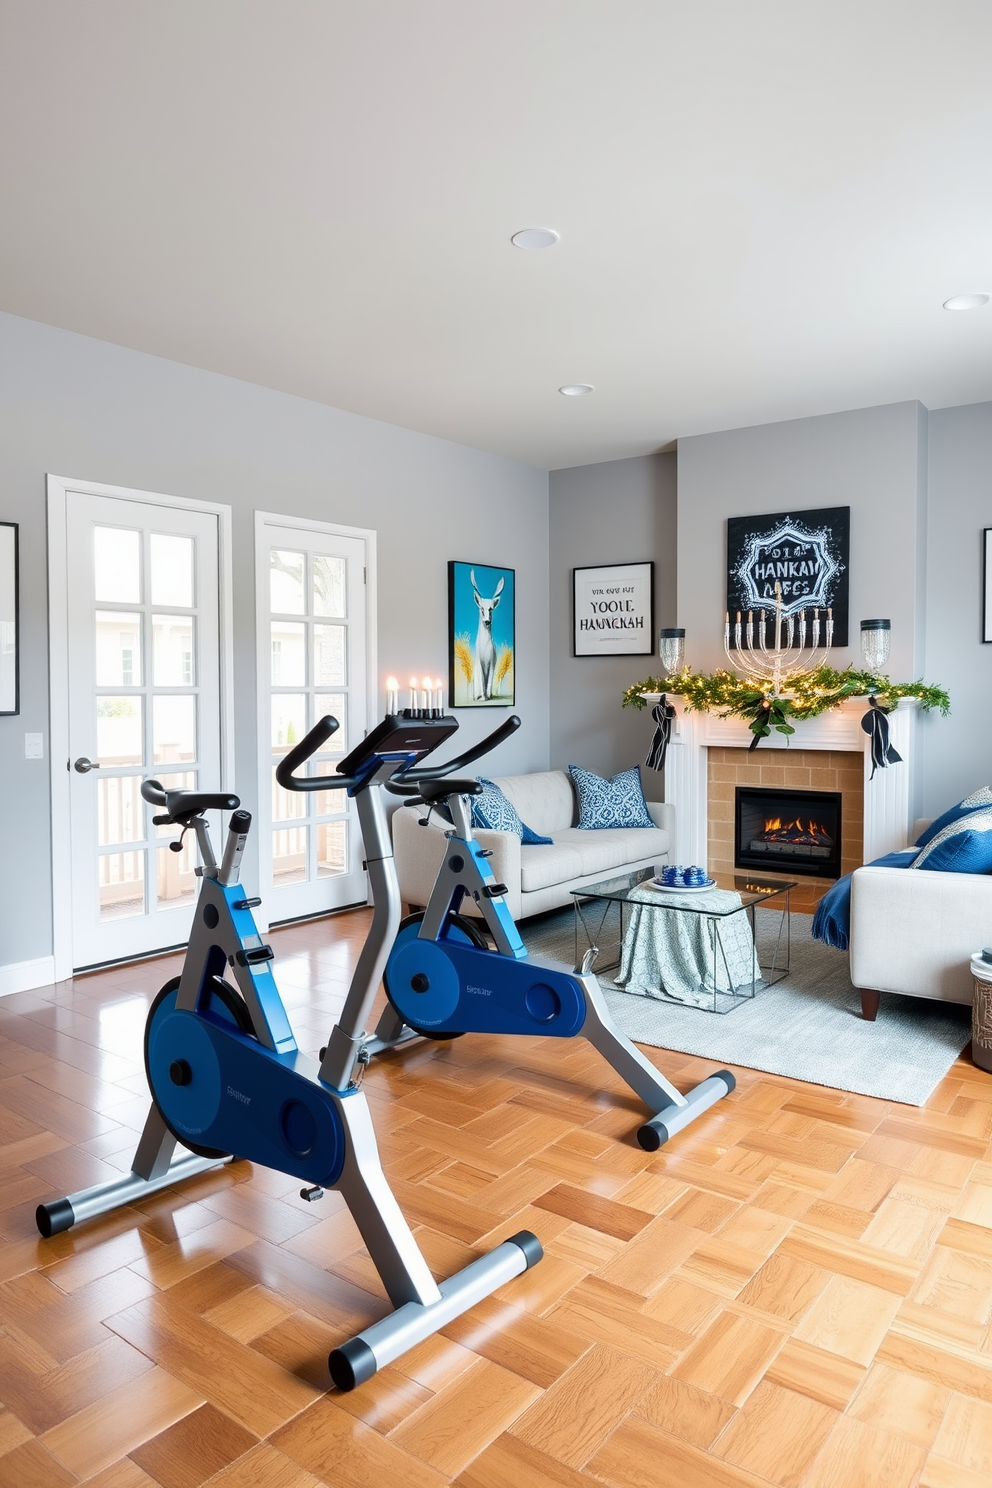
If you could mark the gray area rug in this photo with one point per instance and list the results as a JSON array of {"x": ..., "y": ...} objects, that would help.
[{"x": 808, "y": 1026}]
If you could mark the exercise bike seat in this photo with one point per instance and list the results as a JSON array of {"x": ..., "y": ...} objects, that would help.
[
  {"x": 432, "y": 791},
  {"x": 180, "y": 805}
]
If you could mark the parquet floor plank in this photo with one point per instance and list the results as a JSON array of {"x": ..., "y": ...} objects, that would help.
[
  {"x": 776, "y": 1434},
  {"x": 576, "y": 1414},
  {"x": 796, "y": 1292}
]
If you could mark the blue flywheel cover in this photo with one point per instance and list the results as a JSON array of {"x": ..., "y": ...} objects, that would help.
[
  {"x": 181, "y": 1038},
  {"x": 415, "y": 959}
]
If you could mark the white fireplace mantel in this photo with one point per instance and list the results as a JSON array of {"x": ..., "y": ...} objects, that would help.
[{"x": 890, "y": 799}]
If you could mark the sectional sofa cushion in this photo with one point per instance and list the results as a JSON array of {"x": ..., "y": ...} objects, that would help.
[{"x": 577, "y": 853}]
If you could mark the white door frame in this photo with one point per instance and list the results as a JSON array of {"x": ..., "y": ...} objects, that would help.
[
  {"x": 367, "y": 535},
  {"x": 59, "y": 490}
]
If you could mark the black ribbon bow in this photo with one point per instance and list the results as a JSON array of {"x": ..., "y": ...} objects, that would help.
[
  {"x": 663, "y": 714},
  {"x": 876, "y": 723}
]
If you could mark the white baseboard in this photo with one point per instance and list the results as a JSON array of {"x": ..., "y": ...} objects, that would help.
[{"x": 22, "y": 976}]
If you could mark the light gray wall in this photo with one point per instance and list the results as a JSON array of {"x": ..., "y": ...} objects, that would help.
[
  {"x": 873, "y": 460},
  {"x": 623, "y": 511},
  {"x": 960, "y": 485},
  {"x": 868, "y": 459},
  {"x": 81, "y": 408}
]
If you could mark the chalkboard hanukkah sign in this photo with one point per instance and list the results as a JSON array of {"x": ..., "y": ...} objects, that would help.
[{"x": 802, "y": 555}]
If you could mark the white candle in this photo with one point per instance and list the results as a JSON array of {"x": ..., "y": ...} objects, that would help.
[
  {"x": 392, "y": 695},
  {"x": 439, "y": 684},
  {"x": 428, "y": 687}
]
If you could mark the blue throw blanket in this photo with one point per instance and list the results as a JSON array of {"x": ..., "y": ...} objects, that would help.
[{"x": 832, "y": 921}]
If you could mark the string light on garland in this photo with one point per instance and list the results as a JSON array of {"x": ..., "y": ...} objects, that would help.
[{"x": 803, "y": 696}]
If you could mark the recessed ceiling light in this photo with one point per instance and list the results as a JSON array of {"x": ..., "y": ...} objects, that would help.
[
  {"x": 966, "y": 302},
  {"x": 535, "y": 237},
  {"x": 576, "y": 389}
]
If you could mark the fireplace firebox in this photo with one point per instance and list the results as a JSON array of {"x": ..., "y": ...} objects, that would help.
[{"x": 792, "y": 831}]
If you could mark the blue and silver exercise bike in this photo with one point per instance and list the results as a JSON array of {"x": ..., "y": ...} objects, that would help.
[
  {"x": 444, "y": 977},
  {"x": 226, "y": 1076}
]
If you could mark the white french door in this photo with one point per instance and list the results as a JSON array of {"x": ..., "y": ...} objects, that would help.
[
  {"x": 314, "y": 645},
  {"x": 143, "y": 685}
]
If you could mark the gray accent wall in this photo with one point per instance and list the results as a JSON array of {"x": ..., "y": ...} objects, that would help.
[
  {"x": 869, "y": 460},
  {"x": 623, "y": 511},
  {"x": 959, "y": 757},
  {"x": 81, "y": 408},
  {"x": 873, "y": 460}
]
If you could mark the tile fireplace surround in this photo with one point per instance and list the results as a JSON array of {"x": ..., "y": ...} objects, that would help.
[{"x": 878, "y": 814}]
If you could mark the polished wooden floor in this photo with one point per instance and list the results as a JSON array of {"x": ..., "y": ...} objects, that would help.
[{"x": 797, "y": 1292}]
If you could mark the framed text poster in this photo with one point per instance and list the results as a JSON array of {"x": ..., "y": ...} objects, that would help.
[{"x": 613, "y": 610}]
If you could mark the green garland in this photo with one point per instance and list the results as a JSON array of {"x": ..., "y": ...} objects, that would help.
[{"x": 804, "y": 695}]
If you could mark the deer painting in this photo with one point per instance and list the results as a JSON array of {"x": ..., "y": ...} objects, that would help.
[{"x": 484, "y": 673}]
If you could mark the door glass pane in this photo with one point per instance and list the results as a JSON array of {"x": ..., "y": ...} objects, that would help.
[
  {"x": 334, "y": 703},
  {"x": 185, "y": 781},
  {"x": 172, "y": 648},
  {"x": 286, "y": 586},
  {"x": 289, "y": 720},
  {"x": 332, "y": 848},
  {"x": 330, "y": 802},
  {"x": 118, "y": 649},
  {"x": 328, "y": 586},
  {"x": 121, "y": 884},
  {"x": 119, "y": 731},
  {"x": 175, "y": 879},
  {"x": 328, "y": 656},
  {"x": 287, "y": 805},
  {"x": 172, "y": 570},
  {"x": 117, "y": 565},
  {"x": 119, "y": 809},
  {"x": 174, "y": 729},
  {"x": 289, "y": 655},
  {"x": 289, "y": 855}
]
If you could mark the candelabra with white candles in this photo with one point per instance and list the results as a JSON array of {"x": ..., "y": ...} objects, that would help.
[{"x": 799, "y": 644}]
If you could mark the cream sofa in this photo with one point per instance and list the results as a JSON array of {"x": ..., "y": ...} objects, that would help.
[
  {"x": 538, "y": 878},
  {"x": 915, "y": 932}
]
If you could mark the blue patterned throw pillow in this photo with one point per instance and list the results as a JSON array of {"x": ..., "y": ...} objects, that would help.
[
  {"x": 494, "y": 813},
  {"x": 962, "y": 846},
  {"x": 975, "y": 802},
  {"x": 610, "y": 803}
]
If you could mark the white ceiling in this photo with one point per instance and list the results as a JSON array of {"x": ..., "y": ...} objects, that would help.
[{"x": 761, "y": 205}]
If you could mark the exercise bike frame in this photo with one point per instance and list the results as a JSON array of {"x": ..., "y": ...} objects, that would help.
[
  {"x": 508, "y": 990},
  {"x": 256, "y": 1094}
]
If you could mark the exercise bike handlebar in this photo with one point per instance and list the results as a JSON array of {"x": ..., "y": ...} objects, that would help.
[
  {"x": 405, "y": 782},
  {"x": 308, "y": 745}
]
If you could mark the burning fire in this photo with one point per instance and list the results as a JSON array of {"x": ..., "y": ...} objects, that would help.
[{"x": 796, "y": 831}]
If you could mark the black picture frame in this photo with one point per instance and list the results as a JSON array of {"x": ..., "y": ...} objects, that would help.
[
  {"x": 10, "y": 638},
  {"x": 472, "y": 589},
  {"x": 807, "y": 550},
  {"x": 613, "y": 609},
  {"x": 987, "y": 586}
]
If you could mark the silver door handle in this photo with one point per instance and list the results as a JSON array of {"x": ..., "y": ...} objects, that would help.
[{"x": 84, "y": 766}]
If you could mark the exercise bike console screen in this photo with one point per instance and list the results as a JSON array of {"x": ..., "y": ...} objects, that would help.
[{"x": 397, "y": 735}]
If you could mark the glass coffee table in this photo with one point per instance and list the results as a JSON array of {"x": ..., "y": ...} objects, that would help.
[{"x": 605, "y": 918}]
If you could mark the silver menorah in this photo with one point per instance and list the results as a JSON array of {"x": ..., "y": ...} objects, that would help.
[{"x": 795, "y": 647}]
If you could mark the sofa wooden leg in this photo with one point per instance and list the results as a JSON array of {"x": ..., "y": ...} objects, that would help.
[{"x": 869, "y": 1005}]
